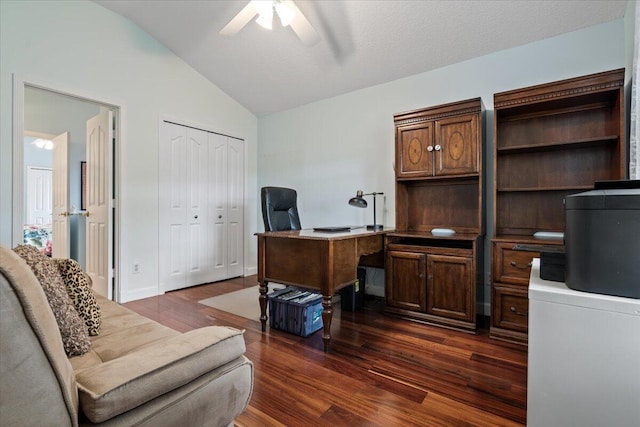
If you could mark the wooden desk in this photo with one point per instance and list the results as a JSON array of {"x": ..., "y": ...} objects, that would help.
[{"x": 313, "y": 260}]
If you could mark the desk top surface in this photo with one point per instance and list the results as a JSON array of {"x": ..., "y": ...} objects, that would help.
[{"x": 311, "y": 234}]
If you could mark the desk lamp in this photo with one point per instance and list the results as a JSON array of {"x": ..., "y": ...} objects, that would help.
[{"x": 360, "y": 202}]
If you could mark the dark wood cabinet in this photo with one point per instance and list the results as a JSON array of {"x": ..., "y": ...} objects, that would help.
[
  {"x": 432, "y": 148},
  {"x": 431, "y": 279},
  {"x": 449, "y": 279},
  {"x": 456, "y": 149},
  {"x": 550, "y": 141},
  {"x": 439, "y": 184},
  {"x": 407, "y": 278}
]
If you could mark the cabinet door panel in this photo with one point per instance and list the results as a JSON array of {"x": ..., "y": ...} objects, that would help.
[
  {"x": 456, "y": 148},
  {"x": 415, "y": 158},
  {"x": 406, "y": 281},
  {"x": 450, "y": 287}
]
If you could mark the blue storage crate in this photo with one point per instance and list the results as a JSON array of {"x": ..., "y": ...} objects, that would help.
[{"x": 297, "y": 311}]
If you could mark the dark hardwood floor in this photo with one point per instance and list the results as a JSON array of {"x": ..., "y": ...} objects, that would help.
[{"x": 381, "y": 370}]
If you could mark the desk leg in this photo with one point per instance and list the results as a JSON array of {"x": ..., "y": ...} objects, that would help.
[
  {"x": 264, "y": 288},
  {"x": 327, "y": 315}
]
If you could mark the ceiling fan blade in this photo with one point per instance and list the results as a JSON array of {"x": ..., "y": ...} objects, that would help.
[
  {"x": 302, "y": 27},
  {"x": 240, "y": 20}
]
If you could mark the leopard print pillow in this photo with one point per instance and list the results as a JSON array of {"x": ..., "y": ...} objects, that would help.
[
  {"x": 78, "y": 285},
  {"x": 75, "y": 338}
]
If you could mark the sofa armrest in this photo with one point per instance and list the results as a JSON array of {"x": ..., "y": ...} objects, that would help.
[{"x": 122, "y": 384}]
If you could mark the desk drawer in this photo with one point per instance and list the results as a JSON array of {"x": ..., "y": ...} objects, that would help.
[
  {"x": 510, "y": 308},
  {"x": 511, "y": 266}
]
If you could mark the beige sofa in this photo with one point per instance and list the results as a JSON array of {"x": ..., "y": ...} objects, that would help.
[{"x": 137, "y": 371}]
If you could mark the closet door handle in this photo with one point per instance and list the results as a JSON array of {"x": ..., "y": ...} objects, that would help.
[{"x": 521, "y": 267}]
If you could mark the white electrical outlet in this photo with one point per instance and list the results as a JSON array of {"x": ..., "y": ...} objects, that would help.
[{"x": 136, "y": 268}]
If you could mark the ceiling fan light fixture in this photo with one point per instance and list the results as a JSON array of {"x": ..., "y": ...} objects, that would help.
[
  {"x": 265, "y": 13},
  {"x": 265, "y": 21},
  {"x": 285, "y": 13}
]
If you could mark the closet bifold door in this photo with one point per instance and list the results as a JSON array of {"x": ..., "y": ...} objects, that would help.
[
  {"x": 183, "y": 247},
  {"x": 226, "y": 207}
]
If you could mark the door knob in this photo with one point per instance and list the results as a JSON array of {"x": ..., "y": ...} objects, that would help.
[
  {"x": 86, "y": 213},
  {"x": 64, "y": 214}
]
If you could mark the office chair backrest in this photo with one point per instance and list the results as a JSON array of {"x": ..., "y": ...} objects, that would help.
[{"x": 280, "y": 209}]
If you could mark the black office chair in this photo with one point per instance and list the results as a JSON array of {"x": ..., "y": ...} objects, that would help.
[{"x": 280, "y": 209}]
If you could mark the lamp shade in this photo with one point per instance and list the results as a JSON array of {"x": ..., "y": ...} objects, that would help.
[{"x": 358, "y": 201}]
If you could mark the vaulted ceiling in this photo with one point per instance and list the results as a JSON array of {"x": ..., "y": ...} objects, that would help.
[{"x": 363, "y": 42}]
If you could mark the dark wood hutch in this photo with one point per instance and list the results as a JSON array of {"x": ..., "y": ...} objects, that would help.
[
  {"x": 550, "y": 141},
  {"x": 439, "y": 185}
]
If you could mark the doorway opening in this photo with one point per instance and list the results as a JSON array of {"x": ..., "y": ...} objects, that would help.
[{"x": 43, "y": 201}]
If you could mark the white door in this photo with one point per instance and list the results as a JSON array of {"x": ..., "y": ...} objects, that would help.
[
  {"x": 39, "y": 192},
  {"x": 183, "y": 201},
  {"x": 99, "y": 196},
  {"x": 198, "y": 271},
  {"x": 217, "y": 189},
  {"x": 226, "y": 203},
  {"x": 235, "y": 207},
  {"x": 60, "y": 197}
]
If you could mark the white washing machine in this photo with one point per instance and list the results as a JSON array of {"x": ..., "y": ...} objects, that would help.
[{"x": 584, "y": 357}]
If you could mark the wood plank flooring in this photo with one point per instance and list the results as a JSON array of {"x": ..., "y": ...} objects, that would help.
[{"x": 381, "y": 370}]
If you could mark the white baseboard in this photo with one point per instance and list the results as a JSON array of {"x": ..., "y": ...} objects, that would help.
[
  {"x": 151, "y": 291},
  {"x": 250, "y": 271}
]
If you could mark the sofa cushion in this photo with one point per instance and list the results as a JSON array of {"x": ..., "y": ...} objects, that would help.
[
  {"x": 117, "y": 386},
  {"x": 78, "y": 285},
  {"x": 75, "y": 338}
]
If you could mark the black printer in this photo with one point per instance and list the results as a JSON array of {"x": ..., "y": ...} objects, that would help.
[{"x": 602, "y": 239}]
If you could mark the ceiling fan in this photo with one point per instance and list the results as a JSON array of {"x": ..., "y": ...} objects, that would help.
[{"x": 286, "y": 10}]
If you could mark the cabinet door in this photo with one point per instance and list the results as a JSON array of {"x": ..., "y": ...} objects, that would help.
[
  {"x": 415, "y": 151},
  {"x": 406, "y": 281},
  {"x": 456, "y": 148},
  {"x": 450, "y": 287}
]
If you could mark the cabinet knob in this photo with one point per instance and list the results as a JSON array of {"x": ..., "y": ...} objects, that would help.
[
  {"x": 430, "y": 148},
  {"x": 195, "y": 216},
  {"x": 438, "y": 147},
  {"x": 219, "y": 216}
]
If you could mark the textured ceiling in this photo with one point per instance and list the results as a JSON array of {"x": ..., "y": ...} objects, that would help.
[{"x": 363, "y": 42}]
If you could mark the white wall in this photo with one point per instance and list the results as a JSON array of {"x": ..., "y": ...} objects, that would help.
[
  {"x": 81, "y": 47},
  {"x": 329, "y": 149}
]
